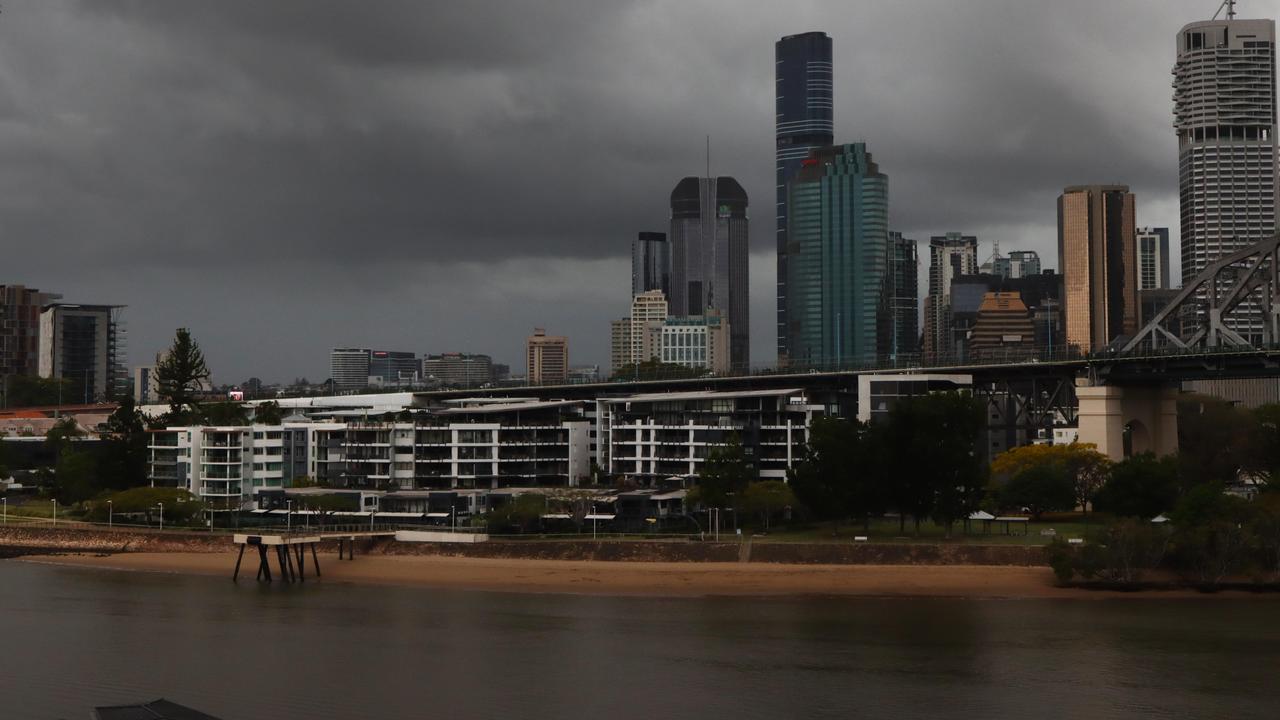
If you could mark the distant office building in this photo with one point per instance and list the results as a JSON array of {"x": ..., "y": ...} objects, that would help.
[
  {"x": 650, "y": 263},
  {"x": 1224, "y": 113},
  {"x": 1151, "y": 302},
  {"x": 388, "y": 368},
  {"x": 635, "y": 339},
  {"x": 359, "y": 368},
  {"x": 1038, "y": 293},
  {"x": 950, "y": 256},
  {"x": 1096, "y": 251},
  {"x": 84, "y": 344},
  {"x": 1002, "y": 329},
  {"x": 546, "y": 358},
  {"x": 20, "y": 309},
  {"x": 838, "y": 258},
  {"x": 1153, "y": 258},
  {"x": 1016, "y": 264},
  {"x": 709, "y": 256},
  {"x": 462, "y": 370},
  {"x": 803, "y": 85},
  {"x": 145, "y": 390},
  {"x": 349, "y": 368},
  {"x": 696, "y": 342},
  {"x": 501, "y": 371},
  {"x": 904, "y": 296}
]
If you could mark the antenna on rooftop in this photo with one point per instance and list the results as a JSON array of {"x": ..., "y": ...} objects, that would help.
[{"x": 1230, "y": 5}]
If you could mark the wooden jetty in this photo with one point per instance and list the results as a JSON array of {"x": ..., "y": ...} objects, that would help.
[{"x": 291, "y": 552}]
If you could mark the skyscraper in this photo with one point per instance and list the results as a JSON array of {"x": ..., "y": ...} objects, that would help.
[
  {"x": 546, "y": 358},
  {"x": 838, "y": 245},
  {"x": 635, "y": 339},
  {"x": 1018, "y": 263},
  {"x": 709, "y": 256},
  {"x": 803, "y": 121},
  {"x": 650, "y": 263},
  {"x": 1153, "y": 258},
  {"x": 1099, "y": 271},
  {"x": 904, "y": 296},
  {"x": 950, "y": 256},
  {"x": 1224, "y": 112},
  {"x": 20, "y": 329}
]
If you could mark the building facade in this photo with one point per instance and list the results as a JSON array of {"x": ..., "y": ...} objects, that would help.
[
  {"x": 224, "y": 466},
  {"x": 1153, "y": 258},
  {"x": 1224, "y": 113},
  {"x": 84, "y": 345},
  {"x": 950, "y": 256},
  {"x": 838, "y": 259},
  {"x": 803, "y": 85},
  {"x": 1003, "y": 329},
  {"x": 20, "y": 309},
  {"x": 663, "y": 435},
  {"x": 546, "y": 358},
  {"x": 700, "y": 341},
  {"x": 904, "y": 296},
  {"x": 1016, "y": 264},
  {"x": 145, "y": 389},
  {"x": 461, "y": 370},
  {"x": 650, "y": 263},
  {"x": 1096, "y": 252},
  {"x": 360, "y": 368},
  {"x": 709, "y": 256}
]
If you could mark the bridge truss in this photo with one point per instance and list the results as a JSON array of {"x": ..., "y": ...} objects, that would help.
[{"x": 1240, "y": 290}]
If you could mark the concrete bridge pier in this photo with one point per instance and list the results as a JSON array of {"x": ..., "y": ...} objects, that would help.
[{"x": 1128, "y": 420}]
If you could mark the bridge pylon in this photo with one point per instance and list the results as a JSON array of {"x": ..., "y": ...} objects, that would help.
[{"x": 1126, "y": 420}]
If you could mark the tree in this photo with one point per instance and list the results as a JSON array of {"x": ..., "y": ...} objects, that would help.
[
  {"x": 1212, "y": 534},
  {"x": 181, "y": 374},
  {"x": 59, "y": 436},
  {"x": 75, "y": 476},
  {"x": 520, "y": 513},
  {"x": 268, "y": 413},
  {"x": 1265, "y": 457},
  {"x": 224, "y": 413},
  {"x": 838, "y": 476},
  {"x": 1141, "y": 486},
  {"x": 1039, "y": 488},
  {"x": 123, "y": 459},
  {"x": 1214, "y": 439},
  {"x": 180, "y": 506},
  {"x": 1081, "y": 463},
  {"x": 767, "y": 497},
  {"x": 725, "y": 475},
  {"x": 32, "y": 391},
  {"x": 933, "y": 448}
]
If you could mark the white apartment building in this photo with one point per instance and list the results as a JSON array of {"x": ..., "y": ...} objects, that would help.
[
  {"x": 224, "y": 466},
  {"x": 663, "y": 435}
]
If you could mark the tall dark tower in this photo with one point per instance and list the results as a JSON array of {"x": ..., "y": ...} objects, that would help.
[
  {"x": 803, "y": 80},
  {"x": 709, "y": 257}
]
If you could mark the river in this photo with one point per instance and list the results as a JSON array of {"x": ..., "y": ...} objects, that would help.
[{"x": 75, "y": 638}]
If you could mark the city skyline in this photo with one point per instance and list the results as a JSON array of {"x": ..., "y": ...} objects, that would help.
[{"x": 248, "y": 208}]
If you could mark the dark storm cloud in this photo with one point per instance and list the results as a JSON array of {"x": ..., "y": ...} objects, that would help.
[{"x": 299, "y": 175}]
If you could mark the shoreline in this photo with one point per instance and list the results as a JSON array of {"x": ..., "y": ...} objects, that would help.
[{"x": 641, "y": 579}]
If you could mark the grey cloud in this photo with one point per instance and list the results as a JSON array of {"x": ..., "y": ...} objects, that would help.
[{"x": 249, "y": 165}]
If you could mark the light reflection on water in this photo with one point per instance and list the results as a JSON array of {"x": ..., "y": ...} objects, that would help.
[{"x": 77, "y": 638}]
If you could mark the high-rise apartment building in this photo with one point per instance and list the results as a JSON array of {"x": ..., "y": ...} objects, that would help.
[
  {"x": 1096, "y": 252},
  {"x": 838, "y": 258},
  {"x": 904, "y": 296},
  {"x": 1224, "y": 112},
  {"x": 20, "y": 309},
  {"x": 709, "y": 256},
  {"x": 1153, "y": 258},
  {"x": 546, "y": 358},
  {"x": 650, "y": 263},
  {"x": 803, "y": 122},
  {"x": 950, "y": 256},
  {"x": 634, "y": 339},
  {"x": 84, "y": 344},
  {"x": 457, "y": 369}
]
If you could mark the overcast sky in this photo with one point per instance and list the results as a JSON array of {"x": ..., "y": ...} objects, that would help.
[{"x": 287, "y": 177}]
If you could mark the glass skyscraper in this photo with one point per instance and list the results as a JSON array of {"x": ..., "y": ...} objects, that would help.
[
  {"x": 803, "y": 122},
  {"x": 837, "y": 274},
  {"x": 709, "y": 256},
  {"x": 650, "y": 263},
  {"x": 904, "y": 296}
]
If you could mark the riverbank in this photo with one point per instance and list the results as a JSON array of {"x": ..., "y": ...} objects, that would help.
[{"x": 651, "y": 579}]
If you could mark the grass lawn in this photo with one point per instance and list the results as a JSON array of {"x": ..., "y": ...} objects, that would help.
[{"x": 1065, "y": 525}]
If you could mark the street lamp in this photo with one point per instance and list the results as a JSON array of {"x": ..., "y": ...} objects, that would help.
[
  {"x": 161, "y": 505},
  {"x": 288, "y": 517},
  {"x": 6, "y": 510},
  {"x": 55, "y": 511},
  {"x": 110, "y": 513}
]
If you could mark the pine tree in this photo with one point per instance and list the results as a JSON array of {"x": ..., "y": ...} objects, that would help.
[{"x": 181, "y": 374}]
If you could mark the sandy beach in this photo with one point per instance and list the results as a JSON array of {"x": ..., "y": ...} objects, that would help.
[{"x": 637, "y": 578}]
